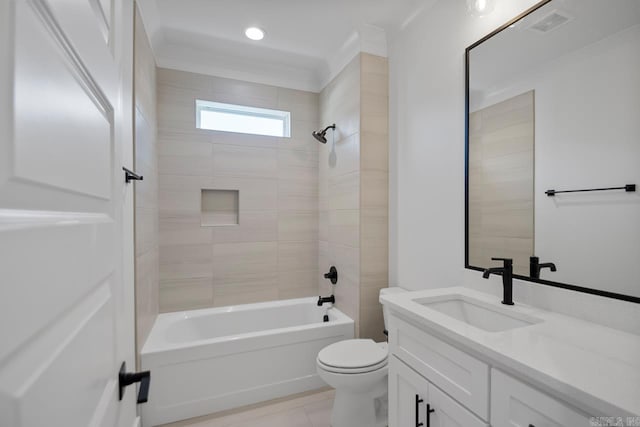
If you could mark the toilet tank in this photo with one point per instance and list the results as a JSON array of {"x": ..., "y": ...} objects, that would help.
[{"x": 389, "y": 291}]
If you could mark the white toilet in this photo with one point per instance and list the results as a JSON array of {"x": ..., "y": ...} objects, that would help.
[{"x": 357, "y": 369}]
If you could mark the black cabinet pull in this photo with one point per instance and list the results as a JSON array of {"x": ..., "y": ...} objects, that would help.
[
  {"x": 531, "y": 425},
  {"x": 429, "y": 411},
  {"x": 418, "y": 402},
  {"x": 127, "y": 378}
]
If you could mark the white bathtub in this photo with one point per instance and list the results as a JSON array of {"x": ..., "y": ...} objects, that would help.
[{"x": 205, "y": 361}]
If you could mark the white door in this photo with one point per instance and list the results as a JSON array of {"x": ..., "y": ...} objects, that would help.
[
  {"x": 66, "y": 287},
  {"x": 407, "y": 395}
]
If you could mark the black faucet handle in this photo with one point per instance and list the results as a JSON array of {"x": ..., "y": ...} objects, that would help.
[
  {"x": 332, "y": 275},
  {"x": 507, "y": 261}
]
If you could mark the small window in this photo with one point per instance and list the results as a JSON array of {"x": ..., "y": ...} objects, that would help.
[{"x": 242, "y": 119}]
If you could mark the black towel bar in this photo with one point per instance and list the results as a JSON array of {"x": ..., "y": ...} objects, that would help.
[{"x": 629, "y": 188}]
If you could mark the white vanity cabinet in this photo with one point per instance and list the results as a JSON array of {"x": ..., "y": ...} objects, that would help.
[
  {"x": 428, "y": 373},
  {"x": 514, "y": 403},
  {"x": 411, "y": 396}
]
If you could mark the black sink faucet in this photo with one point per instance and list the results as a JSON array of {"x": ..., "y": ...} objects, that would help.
[
  {"x": 507, "y": 278},
  {"x": 535, "y": 267},
  {"x": 323, "y": 300}
]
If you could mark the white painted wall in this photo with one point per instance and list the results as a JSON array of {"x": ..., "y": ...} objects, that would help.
[{"x": 426, "y": 61}]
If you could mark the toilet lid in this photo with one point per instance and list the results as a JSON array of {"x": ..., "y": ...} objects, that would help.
[
  {"x": 363, "y": 370},
  {"x": 354, "y": 354}
]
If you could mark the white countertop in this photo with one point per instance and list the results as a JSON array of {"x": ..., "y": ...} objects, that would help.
[{"x": 590, "y": 365}]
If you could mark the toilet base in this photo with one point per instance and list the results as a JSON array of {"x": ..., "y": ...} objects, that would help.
[{"x": 359, "y": 410}]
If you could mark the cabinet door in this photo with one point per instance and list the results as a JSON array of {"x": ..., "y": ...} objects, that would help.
[
  {"x": 407, "y": 396},
  {"x": 446, "y": 412},
  {"x": 461, "y": 376},
  {"x": 514, "y": 403}
]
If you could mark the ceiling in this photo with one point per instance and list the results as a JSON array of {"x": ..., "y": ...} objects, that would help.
[
  {"x": 518, "y": 50},
  {"x": 306, "y": 41}
]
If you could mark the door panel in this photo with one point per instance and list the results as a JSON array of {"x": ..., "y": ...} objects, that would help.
[
  {"x": 63, "y": 120},
  {"x": 404, "y": 385},
  {"x": 449, "y": 413},
  {"x": 514, "y": 404},
  {"x": 66, "y": 306}
]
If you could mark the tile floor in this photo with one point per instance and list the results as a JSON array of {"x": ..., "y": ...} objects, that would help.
[{"x": 306, "y": 410}]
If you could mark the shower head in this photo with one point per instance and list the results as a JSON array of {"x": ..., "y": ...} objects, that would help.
[{"x": 321, "y": 136}]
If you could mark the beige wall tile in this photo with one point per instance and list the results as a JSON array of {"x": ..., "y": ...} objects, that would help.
[
  {"x": 186, "y": 295},
  {"x": 301, "y": 138},
  {"x": 174, "y": 273},
  {"x": 242, "y": 140},
  {"x": 235, "y": 294},
  {"x": 344, "y": 158},
  {"x": 298, "y": 158},
  {"x": 276, "y": 180},
  {"x": 344, "y": 191},
  {"x": 297, "y": 284},
  {"x": 297, "y": 256},
  {"x": 179, "y": 254},
  {"x": 185, "y": 165},
  {"x": 374, "y": 189},
  {"x": 188, "y": 236},
  {"x": 233, "y": 260},
  {"x": 183, "y": 79},
  {"x": 353, "y": 186},
  {"x": 323, "y": 226},
  {"x": 501, "y": 173},
  {"x": 242, "y": 88},
  {"x": 168, "y": 147},
  {"x": 146, "y": 196},
  {"x": 344, "y": 227},
  {"x": 374, "y": 262},
  {"x": 374, "y": 152},
  {"x": 254, "y": 226},
  {"x": 245, "y": 161},
  {"x": 297, "y": 195},
  {"x": 298, "y": 226}
]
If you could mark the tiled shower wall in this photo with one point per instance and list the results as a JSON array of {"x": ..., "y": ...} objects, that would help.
[
  {"x": 340, "y": 189},
  {"x": 273, "y": 252},
  {"x": 146, "y": 192},
  {"x": 354, "y": 190},
  {"x": 374, "y": 192}
]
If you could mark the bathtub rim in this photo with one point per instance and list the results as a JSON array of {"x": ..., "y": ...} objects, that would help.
[{"x": 155, "y": 343}]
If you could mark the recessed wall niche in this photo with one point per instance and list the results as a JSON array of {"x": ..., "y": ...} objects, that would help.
[{"x": 219, "y": 207}]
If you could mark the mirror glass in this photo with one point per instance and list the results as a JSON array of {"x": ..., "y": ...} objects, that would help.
[{"x": 554, "y": 104}]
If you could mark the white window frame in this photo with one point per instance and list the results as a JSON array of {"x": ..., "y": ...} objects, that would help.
[{"x": 243, "y": 110}]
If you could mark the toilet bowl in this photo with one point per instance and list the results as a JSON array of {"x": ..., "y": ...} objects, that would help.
[{"x": 357, "y": 370}]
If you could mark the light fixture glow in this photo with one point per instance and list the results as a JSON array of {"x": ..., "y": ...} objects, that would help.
[
  {"x": 480, "y": 7},
  {"x": 254, "y": 33}
]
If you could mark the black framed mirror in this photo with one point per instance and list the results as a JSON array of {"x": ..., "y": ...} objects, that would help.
[{"x": 552, "y": 156}]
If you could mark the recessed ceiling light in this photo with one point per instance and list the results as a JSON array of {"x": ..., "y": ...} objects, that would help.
[
  {"x": 254, "y": 33},
  {"x": 480, "y": 8}
]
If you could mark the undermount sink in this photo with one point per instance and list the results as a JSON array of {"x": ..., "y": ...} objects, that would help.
[{"x": 478, "y": 313}]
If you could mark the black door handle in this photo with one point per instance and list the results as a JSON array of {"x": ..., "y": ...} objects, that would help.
[
  {"x": 429, "y": 411},
  {"x": 130, "y": 175},
  {"x": 127, "y": 378},
  {"x": 418, "y": 402}
]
